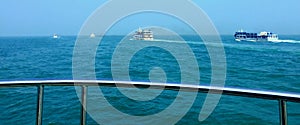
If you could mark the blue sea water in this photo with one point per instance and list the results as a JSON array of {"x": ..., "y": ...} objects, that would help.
[{"x": 250, "y": 65}]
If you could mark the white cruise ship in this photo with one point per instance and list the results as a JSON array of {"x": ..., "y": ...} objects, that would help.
[{"x": 143, "y": 34}]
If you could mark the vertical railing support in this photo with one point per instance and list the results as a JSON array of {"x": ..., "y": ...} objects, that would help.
[
  {"x": 282, "y": 112},
  {"x": 39, "y": 110},
  {"x": 83, "y": 105}
]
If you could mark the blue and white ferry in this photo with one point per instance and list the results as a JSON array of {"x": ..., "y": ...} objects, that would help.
[{"x": 262, "y": 36}]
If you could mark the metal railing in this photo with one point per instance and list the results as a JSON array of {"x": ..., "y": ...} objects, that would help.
[{"x": 281, "y": 97}]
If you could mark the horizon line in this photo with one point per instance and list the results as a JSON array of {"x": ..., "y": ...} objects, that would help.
[{"x": 116, "y": 35}]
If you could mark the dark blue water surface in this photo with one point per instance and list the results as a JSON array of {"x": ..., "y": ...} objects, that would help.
[{"x": 252, "y": 65}]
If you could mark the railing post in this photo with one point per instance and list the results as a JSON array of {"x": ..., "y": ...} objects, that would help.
[
  {"x": 39, "y": 110},
  {"x": 83, "y": 105},
  {"x": 283, "y": 113}
]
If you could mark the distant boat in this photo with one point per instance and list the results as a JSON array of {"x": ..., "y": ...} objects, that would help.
[
  {"x": 262, "y": 36},
  {"x": 92, "y": 35},
  {"x": 55, "y": 36},
  {"x": 143, "y": 34}
]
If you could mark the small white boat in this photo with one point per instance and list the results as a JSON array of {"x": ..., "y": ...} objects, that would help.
[
  {"x": 92, "y": 35},
  {"x": 55, "y": 36}
]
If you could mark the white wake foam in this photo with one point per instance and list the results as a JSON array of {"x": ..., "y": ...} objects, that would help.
[
  {"x": 174, "y": 41},
  {"x": 193, "y": 42},
  {"x": 285, "y": 41}
]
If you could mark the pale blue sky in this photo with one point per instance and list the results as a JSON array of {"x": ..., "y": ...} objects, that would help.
[{"x": 65, "y": 17}]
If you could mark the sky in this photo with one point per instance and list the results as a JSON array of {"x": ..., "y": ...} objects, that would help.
[{"x": 66, "y": 17}]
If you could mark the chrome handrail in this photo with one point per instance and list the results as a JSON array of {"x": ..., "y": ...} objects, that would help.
[{"x": 281, "y": 97}]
